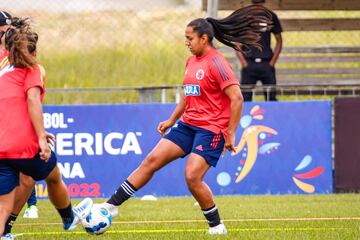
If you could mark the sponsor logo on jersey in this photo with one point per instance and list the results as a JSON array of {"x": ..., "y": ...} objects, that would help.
[
  {"x": 192, "y": 90},
  {"x": 200, "y": 74}
]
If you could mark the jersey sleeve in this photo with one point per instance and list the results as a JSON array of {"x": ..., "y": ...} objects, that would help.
[
  {"x": 35, "y": 77},
  {"x": 222, "y": 72}
]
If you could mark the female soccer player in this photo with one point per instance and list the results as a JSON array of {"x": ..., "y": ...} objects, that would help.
[
  {"x": 23, "y": 141},
  {"x": 204, "y": 122},
  {"x": 27, "y": 183}
]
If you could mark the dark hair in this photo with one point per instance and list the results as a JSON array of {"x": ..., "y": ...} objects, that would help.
[
  {"x": 5, "y": 18},
  {"x": 21, "y": 42},
  {"x": 240, "y": 30}
]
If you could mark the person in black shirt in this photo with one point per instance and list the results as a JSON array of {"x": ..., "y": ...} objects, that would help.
[{"x": 260, "y": 64}]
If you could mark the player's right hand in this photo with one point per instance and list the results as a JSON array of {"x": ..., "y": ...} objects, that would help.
[
  {"x": 50, "y": 139},
  {"x": 163, "y": 126},
  {"x": 45, "y": 151}
]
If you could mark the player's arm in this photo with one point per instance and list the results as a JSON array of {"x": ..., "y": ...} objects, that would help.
[
  {"x": 179, "y": 110},
  {"x": 236, "y": 105},
  {"x": 36, "y": 116},
  {"x": 277, "y": 49}
]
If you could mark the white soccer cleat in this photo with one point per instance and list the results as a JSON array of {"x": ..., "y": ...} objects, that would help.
[
  {"x": 218, "y": 229},
  {"x": 31, "y": 212},
  {"x": 80, "y": 211},
  {"x": 8, "y": 236},
  {"x": 112, "y": 208}
]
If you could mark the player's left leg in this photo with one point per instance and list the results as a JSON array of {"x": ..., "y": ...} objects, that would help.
[
  {"x": 206, "y": 151},
  {"x": 196, "y": 169},
  {"x": 6, "y": 205},
  {"x": 9, "y": 179},
  {"x": 22, "y": 193}
]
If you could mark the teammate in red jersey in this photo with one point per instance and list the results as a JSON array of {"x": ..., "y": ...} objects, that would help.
[
  {"x": 23, "y": 141},
  {"x": 204, "y": 122},
  {"x": 27, "y": 184}
]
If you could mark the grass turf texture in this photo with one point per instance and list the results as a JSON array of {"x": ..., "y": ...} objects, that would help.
[{"x": 246, "y": 217}]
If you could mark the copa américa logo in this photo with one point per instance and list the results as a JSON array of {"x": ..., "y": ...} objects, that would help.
[{"x": 191, "y": 90}]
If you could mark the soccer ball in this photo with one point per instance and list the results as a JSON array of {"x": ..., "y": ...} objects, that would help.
[{"x": 98, "y": 220}]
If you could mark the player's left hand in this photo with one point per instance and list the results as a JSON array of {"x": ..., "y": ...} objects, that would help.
[{"x": 230, "y": 143}]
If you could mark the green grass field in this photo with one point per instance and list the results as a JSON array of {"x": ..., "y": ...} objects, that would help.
[
  {"x": 148, "y": 52},
  {"x": 246, "y": 217}
]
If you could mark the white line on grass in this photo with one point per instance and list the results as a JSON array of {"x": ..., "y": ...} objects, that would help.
[
  {"x": 189, "y": 230},
  {"x": 225, "y": 220}
]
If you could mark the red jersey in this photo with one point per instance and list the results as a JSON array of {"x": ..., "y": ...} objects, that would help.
[
  {"x": 4, "y": 60},
  {"x": 207, "y": 106},
  {"x": 18, "y": 138}
]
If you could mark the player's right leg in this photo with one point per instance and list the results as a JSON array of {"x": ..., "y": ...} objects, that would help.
[
  {"x": 60, "y": 198},
  {"x": 177, "y": 143},
  {"x": 164, "y": 152},
  {"x": 38, "y": 169}
]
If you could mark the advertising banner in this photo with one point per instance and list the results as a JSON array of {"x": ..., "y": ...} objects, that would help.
[{"x": 282, "y": 148}]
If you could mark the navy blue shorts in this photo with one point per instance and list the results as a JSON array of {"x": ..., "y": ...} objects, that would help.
[
  {"x": 36, "y": 168},
  {"x": 203, "y": 142}
]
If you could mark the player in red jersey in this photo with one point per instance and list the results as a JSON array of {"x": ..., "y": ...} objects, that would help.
[
  {"x": 27, "y": 183},
  {"x": 204, "y": 122},
  {"x": 23, "y": 141}
]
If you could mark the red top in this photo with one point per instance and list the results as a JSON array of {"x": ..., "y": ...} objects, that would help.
[
  {"x": 18, "y": 138},
  {"x": 4, "y": 61},
  {"x": 207, "y": 106}
]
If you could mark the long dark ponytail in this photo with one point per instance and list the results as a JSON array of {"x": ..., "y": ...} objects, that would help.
[
  {"x": 239, "y": 30},
  {"x": 21, "y": 42}
]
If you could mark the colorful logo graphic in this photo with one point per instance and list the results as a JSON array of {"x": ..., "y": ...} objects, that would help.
[
  {"x": 308, "y": 188},
  {"x": 252, "y": 142}
]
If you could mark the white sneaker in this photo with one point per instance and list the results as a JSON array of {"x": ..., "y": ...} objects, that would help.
[
  {"x": 31, "y": 212},
  {"x": 218, "y": 229},
  {"x": 80, "y": 211},
  {"x": 112, "y": 208},
  {"x": 8, "y": 236}
]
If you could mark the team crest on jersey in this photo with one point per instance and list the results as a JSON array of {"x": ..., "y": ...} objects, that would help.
[
  {"x": 191, "y": 90},
  {"x": 200, "y": 74}
]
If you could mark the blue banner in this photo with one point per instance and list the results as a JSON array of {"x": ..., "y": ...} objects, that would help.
[{"x": 282, "y": 148}]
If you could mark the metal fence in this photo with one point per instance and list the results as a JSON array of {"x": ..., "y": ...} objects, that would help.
[
  {"x": 86, "y": 24},
  {"x": 171, "y": 94},
  {"x": 121, "y": 43}
]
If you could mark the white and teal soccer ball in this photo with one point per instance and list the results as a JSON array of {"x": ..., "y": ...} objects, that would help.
[{"x": 98, "y": 220}]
